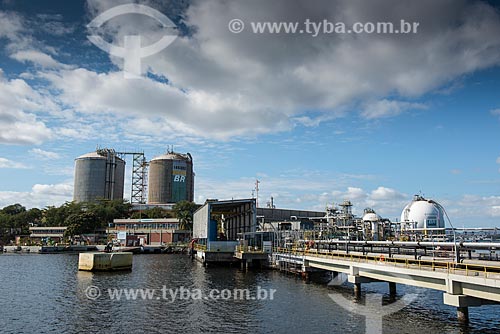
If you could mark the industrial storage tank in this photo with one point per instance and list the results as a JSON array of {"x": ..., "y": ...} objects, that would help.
[
  {"x": 171, "y": 178},
  {"x": 370, "y": 216},
  {"x": 423, "y": 213},
  {"x": 374, "y": 220},
  {"x": 99, "y": 175}
]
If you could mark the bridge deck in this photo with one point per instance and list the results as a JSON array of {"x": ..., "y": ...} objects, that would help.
[{"x": 472, "y": 280}]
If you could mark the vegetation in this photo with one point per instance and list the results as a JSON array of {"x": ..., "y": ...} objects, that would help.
[
  {"x": 184, "y": 211},
  {"x": 15, "y": 219},
  {"x": 82, "y": 218},
  {"x": 152, "y": 213}
]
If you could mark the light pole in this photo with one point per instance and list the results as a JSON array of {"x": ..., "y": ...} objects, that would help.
[{"x": 456, "y": 254}]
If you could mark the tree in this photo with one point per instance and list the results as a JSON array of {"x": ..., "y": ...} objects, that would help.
[
  {"x": 13, "y": 209},
  {"x": 107, "y": 210},
  {"x": 81, "y": 223},
  {"x": 56, "y": 216},
  {"x": 155, "y": 212},
  {"x": 184, "y": 211},
  {"x": 14, "y": 219}
]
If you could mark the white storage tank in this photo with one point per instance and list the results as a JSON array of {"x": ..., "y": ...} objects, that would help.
[
  {"x": 423, "y": 213},
  {"x": 370, "y": 216}
]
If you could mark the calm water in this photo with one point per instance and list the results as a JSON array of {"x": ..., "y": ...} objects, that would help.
[{"x": 46, "y": 294}]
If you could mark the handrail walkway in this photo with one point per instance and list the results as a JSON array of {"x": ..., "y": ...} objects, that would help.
[{"x": 467, "y": 269}]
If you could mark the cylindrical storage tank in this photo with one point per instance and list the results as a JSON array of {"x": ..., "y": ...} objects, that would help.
[
  {"x": 171, "y": 178},
  {"x": 98, "y": 177},
  {"x": 424, "y": 213}
]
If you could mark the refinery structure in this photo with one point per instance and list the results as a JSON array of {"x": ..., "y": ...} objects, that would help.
[
  {"x": 169, "y": 178},
  {"x": 166, "y": 179}
]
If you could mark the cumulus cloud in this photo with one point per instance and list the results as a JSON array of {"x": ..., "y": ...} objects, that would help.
[
  {"x": 160, "y": 107},
  {"x": 386, "y": 194},
  {"x": 474, "y": 206},
  {"x": 41, "y": 195},
  {"x": 19, "y": 104},
  {"x": 215, "y": 84},
  {"x": 222, "y": 85}
]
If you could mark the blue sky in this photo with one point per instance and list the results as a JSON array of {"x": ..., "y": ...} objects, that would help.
[{"x": 372, "y": 118}]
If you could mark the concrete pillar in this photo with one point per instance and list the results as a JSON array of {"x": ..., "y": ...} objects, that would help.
[
  {"x": 357, "y": 290},
  {"x": 392, "y": 288},
  {"x": 463, "y": 314}
]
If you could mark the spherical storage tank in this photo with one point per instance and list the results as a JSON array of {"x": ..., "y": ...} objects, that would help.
[
  {"x": 171, "y": 178},
  {"x": 99, "y": 175},
  {"x": 371, "y": 216},
  {"x": 424, "y": 213}
]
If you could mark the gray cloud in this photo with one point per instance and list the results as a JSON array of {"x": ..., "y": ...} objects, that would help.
[{"x": 254, "y": 83}]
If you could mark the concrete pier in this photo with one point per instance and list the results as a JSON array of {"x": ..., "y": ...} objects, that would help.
[
  {"x": 464, "y": 285},
  {"x": 105, "y": 261},
  {"x": 463, "y": 314},
  {"x": 392, "y": 288},
  {"x": 357, "y": 290}
]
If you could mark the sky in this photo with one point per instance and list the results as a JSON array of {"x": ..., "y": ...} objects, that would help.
[{"x": 317, "y": 118}]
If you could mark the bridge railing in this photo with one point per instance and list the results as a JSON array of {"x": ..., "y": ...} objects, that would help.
[
  {"x": 249, "y": 249},
  {"x": 467, "y": 269}
]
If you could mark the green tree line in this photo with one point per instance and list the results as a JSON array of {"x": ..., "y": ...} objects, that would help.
[{"x": 81, "y": 218}]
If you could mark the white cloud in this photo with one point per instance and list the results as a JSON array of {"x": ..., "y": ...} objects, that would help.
[
  {"x": 6, "y": 163},
  {"x": 161, "y": 108},
  {"x": 498, "y": 160},
  {"x": 387, "y": 108},
  {"x": 12, "y": 25},
  {"x": 41, "y": 195},
  {"x": 46, "y": 155},
  {"x": 223, "y": 85},
  {"x": 495, "y": 112},
  {"x": 36, "y": 57},
  {"x": 19, "y": 104},
  {"x": 386, "y": 194},
  {"x": 476, "y": 208}
]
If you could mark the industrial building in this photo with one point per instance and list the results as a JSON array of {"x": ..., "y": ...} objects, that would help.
[
  {"x": 268, "y": 215},
  {"x": 39, "y": 234},
  {"x": 220, "y": 226},
  {"x": 99, "y": 175},
  {"x": 171, "y": 178},
  {"x": 153, "y": 232}
]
